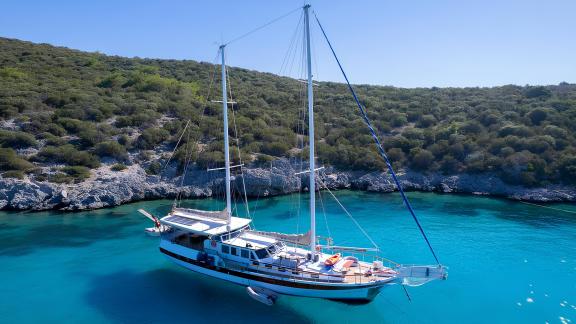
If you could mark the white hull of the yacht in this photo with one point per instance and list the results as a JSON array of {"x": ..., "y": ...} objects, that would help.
[
  {"x": 338, "y": 291},
  {"x": 350, "y": 292}
]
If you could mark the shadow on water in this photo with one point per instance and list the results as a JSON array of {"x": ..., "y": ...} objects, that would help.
[
  {"x": 536, "y": 216},
  {"x": 456, "y": 208},
  {"x": 59, "y": 235},
  {"x": 264, "y": 203},
  {"x": 284, "y": 215},
  {"x": 7, "y": 227},
  {"x": 169, "y": 296}
]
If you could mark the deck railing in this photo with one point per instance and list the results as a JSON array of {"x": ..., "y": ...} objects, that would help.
[{"x": 293, "y": 274}]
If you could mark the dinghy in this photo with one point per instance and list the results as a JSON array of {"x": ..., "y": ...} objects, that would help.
[
  {"x": 158, "y": 227},
  {"x": 262, "y": 295}
]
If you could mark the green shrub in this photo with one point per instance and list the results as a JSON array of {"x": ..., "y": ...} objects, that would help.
[
  {"x": 9, "y": 160},
  {"x": 52, "y": 140},
  {"x": 115, "y": 80},
  {"x": 118, "y": 167},
  {"x": 537, "y": 116},
  {"x": 568, "y": 169},
  {"x": 124, "y": 140},
  {"x": 77, "y": 172},
  {"x": 422, "y": 159},
  {"x": 68, "y": 154},
  {"x": 16, "y": 139},
  {"x": 538, "y": 92},
  {"x": 154, "y": 168},
  {"x": 111, "y": 149},
  {"x": 210, "y": 159},
  {"x": 275, "y": 148},
  {"x": 264, "y": 159},
  {"x": 60, "y": 178},
  {"x": 70, "y": 174},
  {"x": 13, "y": 174},
  {"x": 137, "y": 120},
  {"x": 398, "y": 120},
  {"x": 73, "y": 126},
  {"x": 426, "y": 121},
  {"x": 11, "y": 72},
  {"x": 151, "y": 137}
]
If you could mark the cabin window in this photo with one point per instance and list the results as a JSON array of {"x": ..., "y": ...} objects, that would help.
[
  {"x": 253, "y": 256},
  {"x": 262, "y": 254},
  {"x": 272, "y": 249},
  {"x": 233, "y": 251},
  {"x": 244, "y": 253},
  {"x": 225, "y": 249}
]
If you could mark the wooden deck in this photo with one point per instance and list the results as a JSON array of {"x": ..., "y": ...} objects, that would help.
[{"x": 358, "y": 275}]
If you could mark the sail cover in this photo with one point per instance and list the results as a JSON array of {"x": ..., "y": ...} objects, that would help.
[{"x": 300, "y": 239}]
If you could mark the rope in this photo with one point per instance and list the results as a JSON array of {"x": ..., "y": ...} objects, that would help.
[
  {"x": 324, "y": 214},
  {"x": 378, "y": 144},
  {"x": 263, "y": 26},
  {"x": 291, "y": 47},
  {"x": 187, "y": 158},
  {"x": 553, "y": 208},
  {"x": 349, "y": 215},
  {"x": 177, "y": 143}
]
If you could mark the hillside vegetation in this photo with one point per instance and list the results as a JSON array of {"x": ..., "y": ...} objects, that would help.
[{"x": 64, "y": 112}]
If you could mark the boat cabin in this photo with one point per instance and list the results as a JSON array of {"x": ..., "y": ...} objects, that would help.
[
  {"x": 248, "y": 246},
  {"x": 191, "y": 227},
  {"x": 208, "y": 233}
]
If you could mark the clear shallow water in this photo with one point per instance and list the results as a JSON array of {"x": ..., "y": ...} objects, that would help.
[{"x": 509, "y": 263}]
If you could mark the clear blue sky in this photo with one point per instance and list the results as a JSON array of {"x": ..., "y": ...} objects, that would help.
[{"x": 402, "y": 43}]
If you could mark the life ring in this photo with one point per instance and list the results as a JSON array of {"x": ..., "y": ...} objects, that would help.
[{"x": 318, "y": 248}]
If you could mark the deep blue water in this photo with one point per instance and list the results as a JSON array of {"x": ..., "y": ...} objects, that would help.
[{"x": 509, "y": 263}]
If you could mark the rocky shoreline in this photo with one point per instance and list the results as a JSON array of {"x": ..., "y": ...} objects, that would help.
[{"x": 106, "y": 188}]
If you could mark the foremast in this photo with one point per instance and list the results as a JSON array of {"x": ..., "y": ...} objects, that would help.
[
  {"x": 226, "y": 145},
  {"x": 312, "y": 185}
]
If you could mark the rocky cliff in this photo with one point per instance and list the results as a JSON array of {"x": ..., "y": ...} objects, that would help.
[{"x": 108, "y": 188}]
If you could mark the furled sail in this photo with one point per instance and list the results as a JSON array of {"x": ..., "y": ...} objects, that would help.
[{"x": 300, "y": 239}]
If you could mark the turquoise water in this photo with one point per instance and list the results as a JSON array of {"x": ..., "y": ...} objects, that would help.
[{"x": 99, "y": 267}]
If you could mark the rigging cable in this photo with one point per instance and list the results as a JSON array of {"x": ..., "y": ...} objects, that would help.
[
  {"x": 187, "y": 157},
  {"x": 377, "y": 141},
  {"x": 238, "y": 146},
  {"x": 349, "y": 215},
  {"x": 263, "y": 26},
  {"x": 553, "y": 208},
  {"x": 288, "y": 55},
  {"x": 323, "y": 210},
  {"x": 177, "y": 143}
]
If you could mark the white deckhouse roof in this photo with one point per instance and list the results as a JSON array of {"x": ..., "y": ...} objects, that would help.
[{"x": 202, "y": 222}]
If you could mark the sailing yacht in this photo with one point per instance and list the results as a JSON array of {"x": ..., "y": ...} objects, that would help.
[{"x": 269, "y": 264}]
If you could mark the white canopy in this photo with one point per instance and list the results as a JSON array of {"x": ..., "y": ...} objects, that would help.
[{"x": 202, "y": 221}]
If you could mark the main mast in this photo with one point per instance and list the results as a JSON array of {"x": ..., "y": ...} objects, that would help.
[
  {"x": 226, "y": 147},
  {"x": 312, "y": 185}
]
